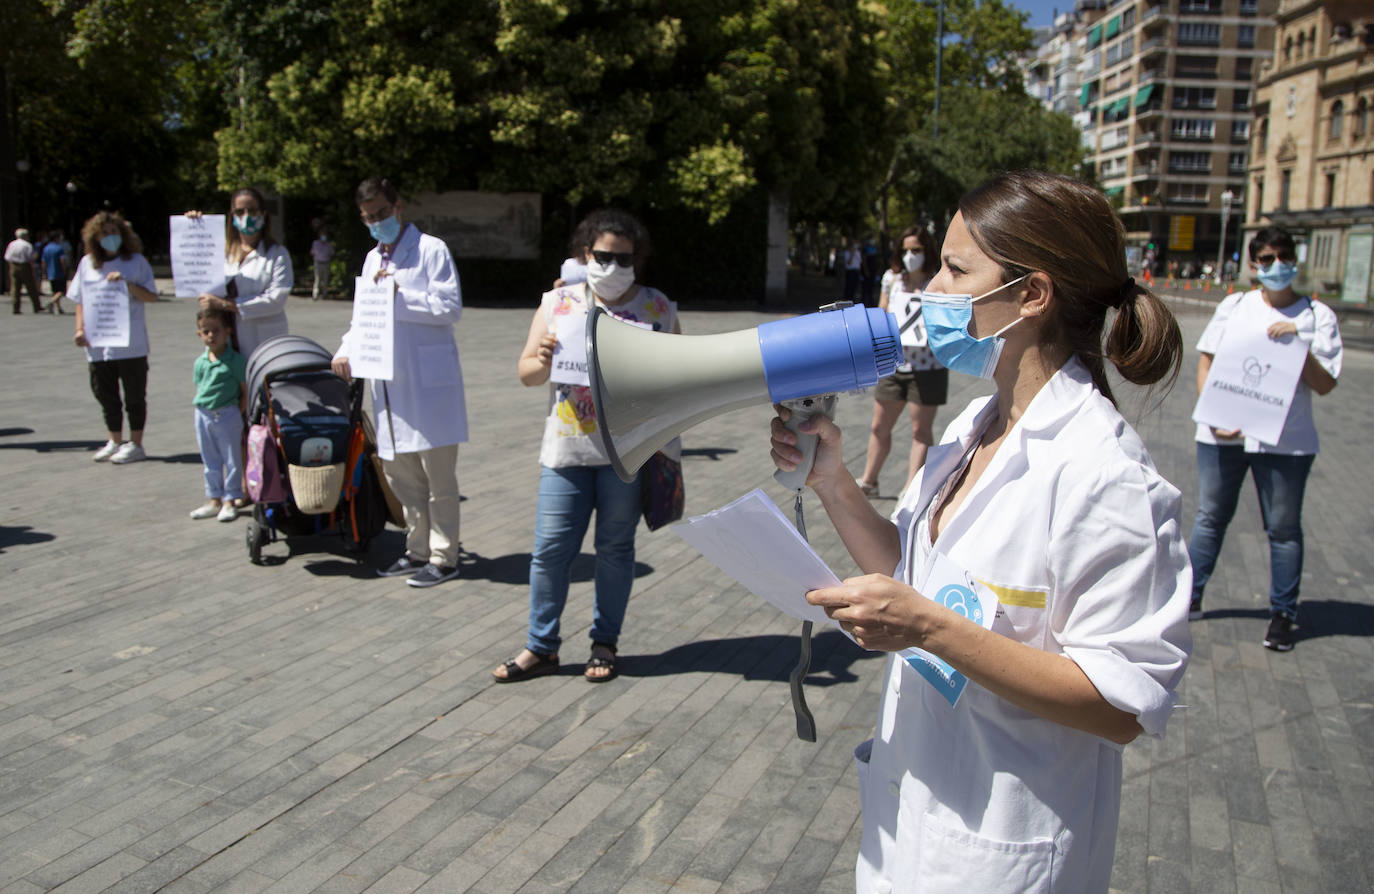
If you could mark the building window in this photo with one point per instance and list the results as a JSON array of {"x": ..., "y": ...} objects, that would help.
[
  {"x": 1285, "y": 184},
  {"x": 1191, "y": 193},
  {"x": 1362, "y": 117},
  {"x": 1240, "y": 100},
  {"x": 1197, "y": 129},
  {"x": 1245, "y": 36},
  {"x": 1249, "y": 7},
  {"x": 1288, "y": 49},
  {"x": 1191, "y": 162},
  {"x": 1236, "y": 163},
  {"x": 1244, "y": 69},
  {"x": 1196, "y": 6},
  {"x": 1195, "y": 98},
  {"x": 1195, "y": 67},
  {"x": 1337, "y": 126},
  {"x": 1263, "y": 135},
  {"x": 1128, "y": 18},
  {"x": 1199, "y": 34},
  {"x": 1330, "y": 190},
  {"x": 1311, "y": 41},
  {"x": 1302, "y": 44}
]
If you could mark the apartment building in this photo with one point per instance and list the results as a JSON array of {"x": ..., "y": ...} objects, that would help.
[
  {"x": 1167, "y": 90},
  {"x": 1312, "y": 159}
]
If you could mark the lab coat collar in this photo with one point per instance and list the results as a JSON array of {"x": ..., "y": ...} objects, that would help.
[
  {"x": 406, "y": 246},
  {"x": 1061, "y": 397}
]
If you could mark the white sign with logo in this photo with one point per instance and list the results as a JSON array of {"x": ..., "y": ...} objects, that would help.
[
  {"x": 197, "y": 254},
  {"x": 570, "y": 354},
  {"x": 105, "y": 313},
  {"x": 913, "y": 332},
  {"x": 372, "y": 346},
  {"x": 1253, "y": 378},
  {"x": 951, "y": 586}
]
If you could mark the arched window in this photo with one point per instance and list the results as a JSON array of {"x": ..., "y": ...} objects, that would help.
[
  {"x": 1362, "y": 117},
  {"x": 1337, "y": 120},
  {"x": 1302, "y": 44},
  {"x": 1311, "y": 41},
  {"x": 1264, "y": 136},
  {"x": 1288, "y": 49}
]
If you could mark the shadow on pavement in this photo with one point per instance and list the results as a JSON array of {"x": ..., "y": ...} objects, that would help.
[
  {"x": 22, "y": 535},
  {"x": 712, "y": 453},
  {"x": 54, "y": 446},
  {"x": 1316, "y": 618},
  {"x": 766, "y": 657},
  {"x": 180, "y": 458},
  {"x": 514, "y": 568},
  {"x": 11, "y": 432}
]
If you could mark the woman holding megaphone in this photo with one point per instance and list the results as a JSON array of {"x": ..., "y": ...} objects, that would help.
[
  {"x": 576, "y": 476},
  {"x": 1034, "y": 582}
]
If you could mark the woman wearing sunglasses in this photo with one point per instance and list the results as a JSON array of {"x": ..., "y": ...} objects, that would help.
[
  {"x": 257, "y": 272},
  {"x": 576, "y": 477},
  {"x": 1036, "y": 559}
]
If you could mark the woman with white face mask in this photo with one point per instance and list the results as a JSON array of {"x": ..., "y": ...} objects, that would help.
[
  {"x": 920, "y": 381},
  {"x": 1036, "y": 559},
  {"x": 258, "y": 275},
  {"x": 576, "y": 476}
]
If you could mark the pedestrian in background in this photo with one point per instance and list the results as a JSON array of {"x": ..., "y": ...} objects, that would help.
[
  {"x": 257, "y": 272},
  {"x": 114, "y": 253},
  {"x": 19, "y": 255},
  {"x": 421, "y": 414},
  {"x": 1280, "y": 470},
  {"x": 55, "y": 267},
  {"x": 322, "y": 253}
]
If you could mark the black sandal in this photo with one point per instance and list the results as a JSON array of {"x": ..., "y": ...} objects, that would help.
[
  {"x": 596, "y": 661},
  {"x": 547, "y": 664}
]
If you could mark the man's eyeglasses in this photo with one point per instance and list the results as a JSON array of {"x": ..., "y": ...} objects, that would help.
[
  {"x": 1265, "y": 260},
  {"x": 378, "y": 217},
  {"x": 623, "y": 258}
]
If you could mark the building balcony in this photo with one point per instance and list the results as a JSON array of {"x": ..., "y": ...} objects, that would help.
[
  {"x": 1153, "y": 46},
  {"x": 1153, "y": 15},
  {"x": 1175, "y": 168}
]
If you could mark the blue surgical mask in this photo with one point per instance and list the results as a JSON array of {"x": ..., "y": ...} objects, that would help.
[
  {"x": 112, "y": 242},
  {"x": 947, "y": 318},
  {"x": 1278, "y": 275},
  {"x": 248, "y": 224},
  {"x": 385, "y": 231}
]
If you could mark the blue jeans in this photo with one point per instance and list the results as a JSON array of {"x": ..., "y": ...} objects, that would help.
[
  {"x": 219, "y": 434},
  {"x": 567, "y": 497},
  {"x": 1280, "y": 481}
]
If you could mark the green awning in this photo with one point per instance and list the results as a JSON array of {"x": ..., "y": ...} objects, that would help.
[
  {"x": 1114, "y": 191},
  {"x": 1094, "y": 36},
  {"x": 1143, "y": 95},
  {"x": 1085, "y": 94},
  {"x": 1113, "y": 27},
  {"x": 1120, "y": 106}
]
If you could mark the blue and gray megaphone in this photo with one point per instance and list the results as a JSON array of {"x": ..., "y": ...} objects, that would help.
[{"x": 648, "y": 387}]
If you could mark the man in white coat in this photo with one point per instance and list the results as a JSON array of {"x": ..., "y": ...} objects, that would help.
[{"x": 421, "y": 413}]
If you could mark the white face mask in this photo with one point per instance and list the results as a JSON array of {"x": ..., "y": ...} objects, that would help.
[
  {"x": 609, "y": 281},
  {"x": 913, "y": 261}
]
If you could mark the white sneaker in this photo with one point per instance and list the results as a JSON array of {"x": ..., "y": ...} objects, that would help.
[
  {"x": 209, "y": 510},
  {"x": 227, "y": 512},
  {"x": 128, "y": 452},
  {"x": 104, "y": 453}
]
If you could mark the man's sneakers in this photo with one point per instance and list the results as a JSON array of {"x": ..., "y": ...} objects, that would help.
[
  {"x": 1279, "y": 636},
  {"x": 432, "y": 574},
  {"x": 404, "y": 565},
  {"x": 104, "y": 453},
  {"x": 128, "y": 452}
]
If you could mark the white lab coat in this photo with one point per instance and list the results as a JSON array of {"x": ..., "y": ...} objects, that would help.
[
  {"x": 425, "y": 396},
  {"x": 263, "y": 281},
  {"x": 1074, "y": 529}
]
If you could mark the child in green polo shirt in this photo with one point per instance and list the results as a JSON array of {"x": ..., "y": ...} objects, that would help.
[{"x": 221, "y": 399}]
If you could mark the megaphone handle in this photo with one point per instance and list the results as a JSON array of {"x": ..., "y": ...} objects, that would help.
[{"x": 803, "y": 408}]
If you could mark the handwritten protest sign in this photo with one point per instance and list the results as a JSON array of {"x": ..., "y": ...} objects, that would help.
[
  {"x": 372, "y": 346},
  {"x": 197, "y": 254},
  {"x": 1252, "y": 380},
  {"x": 105, "y": 313}
]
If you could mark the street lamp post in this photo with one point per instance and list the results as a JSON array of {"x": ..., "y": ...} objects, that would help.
[{"x": 1227, "y": 198}]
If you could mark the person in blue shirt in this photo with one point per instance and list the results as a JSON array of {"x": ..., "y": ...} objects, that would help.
[{"x": 55, "y": 269}]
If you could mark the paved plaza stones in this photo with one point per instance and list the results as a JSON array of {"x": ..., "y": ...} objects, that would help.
[{"x": 174, "y": 718}]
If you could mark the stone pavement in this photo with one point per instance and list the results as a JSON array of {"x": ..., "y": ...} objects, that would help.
[{"x": 175, "y": 718}]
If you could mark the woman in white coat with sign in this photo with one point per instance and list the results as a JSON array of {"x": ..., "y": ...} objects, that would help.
[
  {"x": 258, "y": 275},
  {"x": 1041, "y": 505}
]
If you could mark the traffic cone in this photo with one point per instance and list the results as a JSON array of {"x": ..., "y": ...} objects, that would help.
[
  {"x": 1230, "y": 287},
  {"x": 1188, "y": 286},
  {"x": 1206, "y": 285}
]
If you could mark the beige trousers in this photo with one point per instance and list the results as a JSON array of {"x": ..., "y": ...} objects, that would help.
[{"x": 426, "y": 483}]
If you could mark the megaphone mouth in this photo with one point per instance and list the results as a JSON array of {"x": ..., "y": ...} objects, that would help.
[{"x": 599, "y": 402}]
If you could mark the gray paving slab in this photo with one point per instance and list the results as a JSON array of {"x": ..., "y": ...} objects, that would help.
[{"x": 174, "y": 718}]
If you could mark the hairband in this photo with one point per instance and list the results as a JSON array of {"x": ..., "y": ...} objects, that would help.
[{"x": 1127, "y": 290}]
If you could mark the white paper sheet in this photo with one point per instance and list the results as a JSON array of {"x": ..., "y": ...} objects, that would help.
[
  {"x": 105, "y": 313},
  {"x": 1252, "y": 380},
  {"x": 570, "y": 354},
  {"x": 751, "y": 541},
  {"x": 197, "y": 254},
  {"x": 372, "y": 346}
]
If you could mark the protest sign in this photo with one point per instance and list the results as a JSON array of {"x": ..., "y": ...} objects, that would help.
[
  {"x": 197, "y": 254},
  {"x": 1251, "y": 382},
  {"x": 105, "y": 313},
  {"x": 372, "y": 345}
]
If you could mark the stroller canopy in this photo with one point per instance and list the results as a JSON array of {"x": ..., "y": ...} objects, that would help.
[{"x": 278, "y": 356}]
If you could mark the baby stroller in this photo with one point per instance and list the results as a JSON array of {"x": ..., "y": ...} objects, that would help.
[{"x": 309, "y": 461}]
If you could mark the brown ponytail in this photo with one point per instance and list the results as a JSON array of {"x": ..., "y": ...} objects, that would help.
[{"x": 1034, "y": 221}]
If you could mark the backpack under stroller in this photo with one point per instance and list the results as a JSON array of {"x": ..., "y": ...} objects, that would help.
[{"x": 309, "y": 462}]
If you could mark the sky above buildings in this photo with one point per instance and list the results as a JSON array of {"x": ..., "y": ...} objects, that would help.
[{"x": 1041, "y": 11}]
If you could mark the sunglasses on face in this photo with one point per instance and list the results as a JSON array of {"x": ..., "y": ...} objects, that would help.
[
  {"x": 1265, "y": 260},
  {"x": 623, "y": 258}
]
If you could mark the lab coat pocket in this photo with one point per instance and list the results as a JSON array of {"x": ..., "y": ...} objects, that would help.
[
  {"x": 954, "y": 859},
  {"x": 1022, "y": 613},
  {"x": 438, "y": 365}
]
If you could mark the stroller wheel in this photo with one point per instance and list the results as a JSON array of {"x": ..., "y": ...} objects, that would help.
[{"x": 256, "y": 537}]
